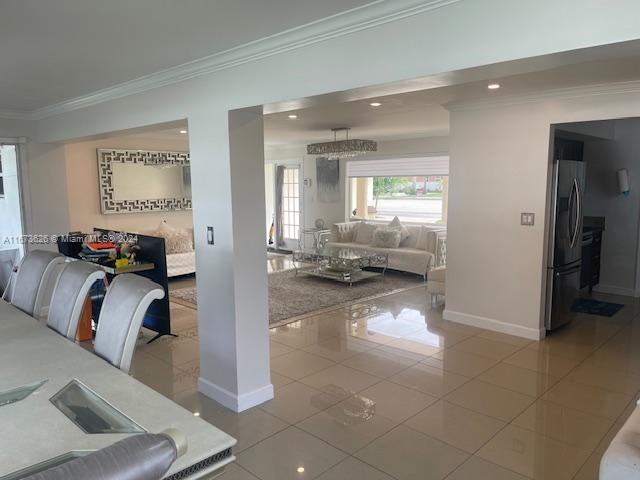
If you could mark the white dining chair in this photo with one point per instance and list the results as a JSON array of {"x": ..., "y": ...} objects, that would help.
[
  {"x": 35, "y": 273},
  {"x": 121, "y": 316},
  {"x": 69, "y": 295}
]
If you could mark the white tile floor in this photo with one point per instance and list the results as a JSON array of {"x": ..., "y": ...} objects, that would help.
[{"x": 387, "y": 389}]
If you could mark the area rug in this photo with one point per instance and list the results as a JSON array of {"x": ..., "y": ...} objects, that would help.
[
  {"x": 596, "y": 307},
  {"x": 292, "y": 297}
]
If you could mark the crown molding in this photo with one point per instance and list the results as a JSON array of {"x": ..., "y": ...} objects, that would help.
[
  {"x": 616, "y": 88},
  {"x": 371, "y": 15},
  {"x": 7, "y": 114}
]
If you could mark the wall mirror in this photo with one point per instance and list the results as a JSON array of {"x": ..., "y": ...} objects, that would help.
[{"x": 143, "y": 181}]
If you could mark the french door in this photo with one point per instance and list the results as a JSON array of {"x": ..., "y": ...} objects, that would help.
[{"x": 291, "y": 211}]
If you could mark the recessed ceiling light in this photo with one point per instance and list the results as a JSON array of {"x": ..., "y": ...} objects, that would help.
[
  {"x": 293, "y": 116},
  {"x": 493, "y": 86},
  {"x": 375, "y": 104},
  {"x": 183, "y": 131},
  {"x": 196, "y": 414},
  {"x": 300, "y": 469}
]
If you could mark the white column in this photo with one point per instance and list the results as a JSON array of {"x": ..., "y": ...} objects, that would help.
[{"x": 227, "y": 153}]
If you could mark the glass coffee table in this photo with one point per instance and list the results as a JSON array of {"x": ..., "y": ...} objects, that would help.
[{"x": 345, "y": 265}]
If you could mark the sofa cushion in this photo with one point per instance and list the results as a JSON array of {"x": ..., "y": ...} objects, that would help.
[
  {"x": 386, "y": 237},
  {"x": 364, "y": 233},
  {"x": 395, "y": 223}
]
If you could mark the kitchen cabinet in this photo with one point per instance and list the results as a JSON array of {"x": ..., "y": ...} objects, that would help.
[{"x": 591, "y": 254}]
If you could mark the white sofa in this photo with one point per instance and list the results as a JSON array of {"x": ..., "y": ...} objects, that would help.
[
  {"x": 180, "y": 253},
  {"x": 424, "y": 249},
  {"x": 621, "y": 461}
]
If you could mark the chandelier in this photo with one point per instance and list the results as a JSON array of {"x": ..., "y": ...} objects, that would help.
[{"x": 350, "y": 147}]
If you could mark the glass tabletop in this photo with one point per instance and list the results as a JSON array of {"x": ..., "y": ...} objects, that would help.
[
  {"x": 90, "y": 412},
  {"x": 339, "y": 252},
  {"x": 19, "y": 393}
]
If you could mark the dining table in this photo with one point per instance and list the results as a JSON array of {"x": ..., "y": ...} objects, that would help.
[{"x": 59, "y": 401}]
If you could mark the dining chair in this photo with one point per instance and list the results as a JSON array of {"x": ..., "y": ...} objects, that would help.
[
  {"x": 121, "y": 316},
  {"x": 8, "y": 260},
  {"x": 69, "y": 296},
  {"x": 147, "y": 456},
  {"x": 32, "y": 280}
]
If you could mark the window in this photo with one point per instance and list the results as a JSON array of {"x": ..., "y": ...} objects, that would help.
[
  {"x": 419, "y": 199},
  {"x": 415, "y": 189}
]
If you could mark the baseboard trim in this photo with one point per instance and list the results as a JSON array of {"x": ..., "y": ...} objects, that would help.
[
  {"x": 237, "y": 403},
  {"x": 614, "y": 290},
  {"x": 494, "y": 325}
]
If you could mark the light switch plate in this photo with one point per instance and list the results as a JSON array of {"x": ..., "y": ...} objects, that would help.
[
  {"x": 210, "y": 237},
  {"x": 527, "y": 219}
]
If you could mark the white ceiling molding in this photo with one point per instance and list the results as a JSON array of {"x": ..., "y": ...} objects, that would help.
[
  {"x": 616, "y": 88},
  {"x": 6, "y": 114},
  {"x": 368, "y": 16}
]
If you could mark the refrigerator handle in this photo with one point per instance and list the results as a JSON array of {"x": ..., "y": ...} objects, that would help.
[
  {"x": 569, "y": 214},
  {"x": 578, "y": 211}
]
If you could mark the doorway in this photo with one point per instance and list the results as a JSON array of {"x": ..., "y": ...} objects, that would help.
[
  {"x": 283, "y": 205},
  {"x": 11, "y": 226}
]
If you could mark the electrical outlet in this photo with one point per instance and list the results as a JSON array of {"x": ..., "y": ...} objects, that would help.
[{"x": 527, "y": 219}]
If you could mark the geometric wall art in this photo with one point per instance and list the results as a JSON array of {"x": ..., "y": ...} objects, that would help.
[{"x": 109, "y": 204}]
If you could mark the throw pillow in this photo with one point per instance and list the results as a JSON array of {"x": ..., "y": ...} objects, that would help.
[
  {"x": 404, "y": 233},
  {"x": 176, "y": 240},
  {"x": 386, "y": 237},
  {"x": 364, "y": 233}
]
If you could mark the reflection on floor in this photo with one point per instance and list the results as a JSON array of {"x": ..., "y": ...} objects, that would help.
[{"x": 388, "y": 389}]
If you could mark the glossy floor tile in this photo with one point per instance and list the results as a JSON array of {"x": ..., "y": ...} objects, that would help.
[
  {"x": 388, "y": 390},
  {"x": 533, "y": 455},
  {"x": 407, "y": 454},
  {"x": 430, "y": 380},
  {"x": 290, "y": 454},
  {"x": 564, "y": 424},
  {"x": 457, "y": 426},
  {"x": 490, "y": 400}
]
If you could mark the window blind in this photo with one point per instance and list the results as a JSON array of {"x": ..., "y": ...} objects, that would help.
[{"x": 399, "y": 167}]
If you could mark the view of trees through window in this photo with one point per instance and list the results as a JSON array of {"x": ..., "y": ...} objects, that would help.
[{"x": 421, "y": 199}]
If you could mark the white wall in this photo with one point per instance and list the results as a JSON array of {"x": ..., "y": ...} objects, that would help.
[
  {"x": 499, "y": 168},
  {"x": 46, "y": 193},
  {"x": 82, "y": 185},
  {"x": 622, "y": 213}
]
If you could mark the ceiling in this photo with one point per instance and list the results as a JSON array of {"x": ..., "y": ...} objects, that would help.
[
  {"x": 423, "y": 113},
  {"x": 419, "y": 108},
  {"x": 51, "y": 51}
]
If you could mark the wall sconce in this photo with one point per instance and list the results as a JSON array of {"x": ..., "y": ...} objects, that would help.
[{"x": 623, "y": 181}]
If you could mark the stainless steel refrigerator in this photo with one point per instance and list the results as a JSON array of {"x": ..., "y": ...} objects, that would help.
[{"x": 565, "y": 242}]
